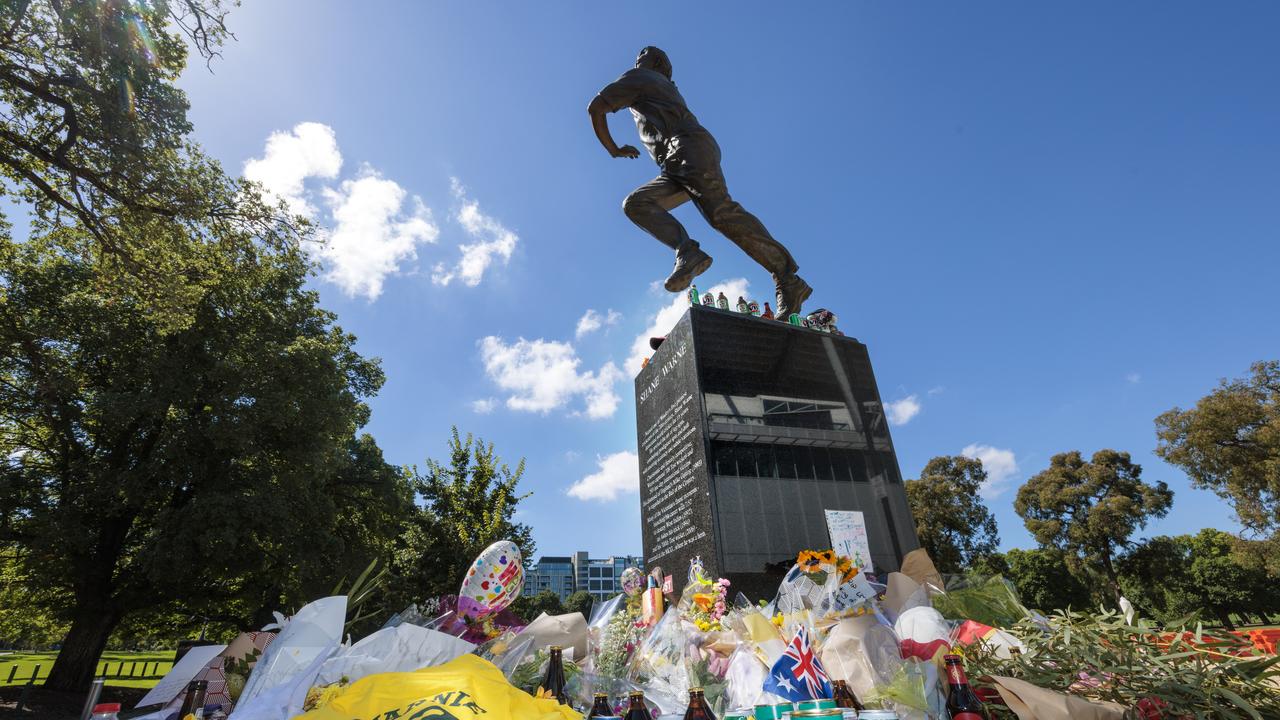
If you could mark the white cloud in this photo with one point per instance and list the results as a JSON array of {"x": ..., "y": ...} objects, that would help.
[
  {"x": 375, "y": 225},
  {"x": 666, "y": 318},
  {"x": 289, "y": 158},
  {"x": 618, "y": 474},
  {"x": 483, "y": 406},
  {"x": 542, "y": 375},
  {"x": 1000, "y": 464},
  {"x": 901, "y": 411},
  {"x": 373, "y": 232},
  {"x": 592, "y": 321},
  {"x": 493, "y": 242},
  {"x": 1133, "y": 378}
]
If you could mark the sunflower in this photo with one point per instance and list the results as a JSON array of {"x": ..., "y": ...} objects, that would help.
[{"x": 809, "y": 560}]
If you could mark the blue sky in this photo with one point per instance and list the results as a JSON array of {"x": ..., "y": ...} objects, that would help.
[{"x": 1048, "y": 223}]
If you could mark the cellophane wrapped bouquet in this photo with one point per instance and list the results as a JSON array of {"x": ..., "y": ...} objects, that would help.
[
  {"x": 689, "y": 647},
  {"x": 616, "y": 631}
]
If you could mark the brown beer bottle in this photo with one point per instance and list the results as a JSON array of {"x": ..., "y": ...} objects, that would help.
[
  {"x": 554, "y": 681},
  {"x": 698, "y": 708},
  {"x": 962, "y": 702},
  {"x": 636, "y": 709},
  {"x": 844, "y": 697},
  {"x": 193, "y": 701},
  {"x": 600, "y": 707}
]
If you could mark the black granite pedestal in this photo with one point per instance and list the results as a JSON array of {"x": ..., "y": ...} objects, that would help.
[{"x": 748, "y": 429}]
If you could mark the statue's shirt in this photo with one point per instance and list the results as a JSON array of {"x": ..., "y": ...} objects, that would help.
[{"x": 660, "y": 112}]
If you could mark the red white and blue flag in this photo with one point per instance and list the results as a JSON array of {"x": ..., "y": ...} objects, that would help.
[{"x": 798, "y": 675}]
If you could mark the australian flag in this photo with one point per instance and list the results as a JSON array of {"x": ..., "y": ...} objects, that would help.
[{"x": 798, "y": 675}]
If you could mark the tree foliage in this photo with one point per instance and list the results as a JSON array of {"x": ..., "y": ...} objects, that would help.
[
  {"x": 468, "y": 503},
  {"x": 95, "y": 136},
  {"x": 1089, "y": 509},
  {"x": 581, "y": 601},
  {"x": 1044, "y": 580},
  {"x": 530, "y": 607},
  {"x": 1208, "y": 573},
  {"x": 215, "y": 466},
  {"x": 1230, "y": 443},
  {"x": 952, "y": 522}
]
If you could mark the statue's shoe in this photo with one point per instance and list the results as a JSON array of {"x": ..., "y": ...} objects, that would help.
[
  {"x": 691, "y": 262},
  {"x": 792, "y": 292}
]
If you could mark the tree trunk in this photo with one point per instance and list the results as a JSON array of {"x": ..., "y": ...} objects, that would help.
[
  {"x": 77, "y": 660},
  {"x": 1113, "y": 578},
  {"x": 1225, "y": 617}
]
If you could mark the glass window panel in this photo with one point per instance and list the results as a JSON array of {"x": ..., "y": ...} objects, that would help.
[
  {"x": 821, "y": 464},
  {"x": 765, "y": 465},
  {"x": 724, "y": 459},
  {"x": 804, "y": 463},
  {"x": 858, "y": 466},
  {"x": 745, "y": 455},
  {"x": 785, "y": 457},
  {"x": 840, "y": 464}
]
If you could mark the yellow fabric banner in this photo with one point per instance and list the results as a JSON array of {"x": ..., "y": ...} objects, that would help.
[{"x": 463, "y": 688}]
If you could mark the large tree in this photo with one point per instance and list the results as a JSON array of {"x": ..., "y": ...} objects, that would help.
[
  {"x": 467, "y": 504},
  {"x": 1230, "y": 443},
  {"x": 1089, "y": 509},
  {"x": 953, "y": 523},
  {"x": 95, "y": 135},
  {"x": 214, "y": 465}
]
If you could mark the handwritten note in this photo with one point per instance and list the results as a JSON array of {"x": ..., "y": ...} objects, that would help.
[
  {"x": 854, "y": 593},
  {"x": 175, "y": 681},
  {"x": 848, "y": 530}
]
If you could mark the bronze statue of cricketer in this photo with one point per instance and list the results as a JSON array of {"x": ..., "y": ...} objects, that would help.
[{"x": 690, "y": 162}]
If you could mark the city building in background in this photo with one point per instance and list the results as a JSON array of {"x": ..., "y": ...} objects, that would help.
[{"x": 566, "y": 574}]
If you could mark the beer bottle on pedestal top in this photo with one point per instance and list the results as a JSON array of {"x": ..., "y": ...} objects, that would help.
[
  {"x": 636, "y": 709},
  {"x": 693, "y": 294},
  {"x": 962, "y": 702},
  {"x": 554, "y": 680},
  {"x": 722, "y": 302},
  {"x": 698, "y": 708},
  {"x": 768, "y": 311},
  {"x": 600, "y": 706},
  {"x": 844, "y": 697}
]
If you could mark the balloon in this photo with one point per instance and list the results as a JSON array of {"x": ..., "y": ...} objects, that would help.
[
  {"x": 493, "y": 582},
  {"x": 632, "y": 581}
]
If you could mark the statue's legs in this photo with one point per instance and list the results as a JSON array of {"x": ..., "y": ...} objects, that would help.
[
  {"x": 650, "y": 205},
  {"x": 694, "y": 164}
]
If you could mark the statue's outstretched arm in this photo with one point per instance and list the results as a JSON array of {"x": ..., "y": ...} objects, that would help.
[{"x": 600, "y": 123}]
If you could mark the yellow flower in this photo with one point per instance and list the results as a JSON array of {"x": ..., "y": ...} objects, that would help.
[
  {"x": 544, "y": 694},
  {"x": 777, "y": 620}
]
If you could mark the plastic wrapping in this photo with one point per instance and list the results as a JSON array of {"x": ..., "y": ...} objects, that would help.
[
  {"x": 990, "y": 601},
  {"x": 658, "y": 666},
  {"x": 314, "y": 632}
]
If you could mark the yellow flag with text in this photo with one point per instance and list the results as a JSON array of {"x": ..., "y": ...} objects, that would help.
[{"x": 464, "y": 688}]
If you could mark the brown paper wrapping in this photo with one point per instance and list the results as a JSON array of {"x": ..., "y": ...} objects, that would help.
[
  {"x": 1031, "y": 702},
  {"x": 918, "y": 566}
]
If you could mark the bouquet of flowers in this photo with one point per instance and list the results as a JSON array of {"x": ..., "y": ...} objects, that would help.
[{"x": 616, "y": 630}]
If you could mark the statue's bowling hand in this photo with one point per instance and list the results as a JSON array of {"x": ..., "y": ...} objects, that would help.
[{"x": 627, "y": 151}]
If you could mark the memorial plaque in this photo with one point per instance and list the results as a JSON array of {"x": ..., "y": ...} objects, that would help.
[
  {"x": 749, "y": 431},
  {"x": 675, "y": 498}
]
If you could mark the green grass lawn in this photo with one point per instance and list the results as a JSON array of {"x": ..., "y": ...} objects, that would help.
[{"x": 140, "y": 669}]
